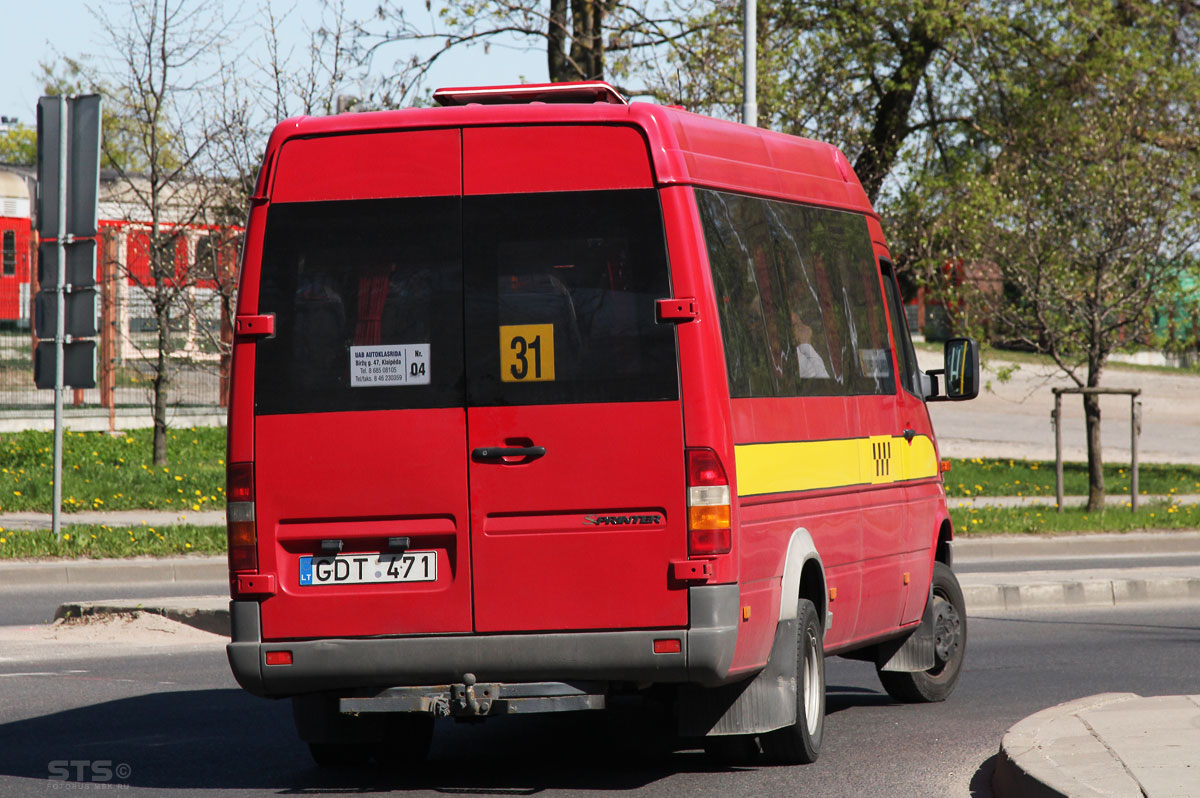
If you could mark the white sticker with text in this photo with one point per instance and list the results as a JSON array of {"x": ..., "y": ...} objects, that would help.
[{"x": 387, "y": 365}]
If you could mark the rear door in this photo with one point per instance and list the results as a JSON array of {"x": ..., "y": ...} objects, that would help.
[
  {"x": 565, "y": 257},
  {"x": 360, "y": 426},
  {"x": 417, "y": 330}
]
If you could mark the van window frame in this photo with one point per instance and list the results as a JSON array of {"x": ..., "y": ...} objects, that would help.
[
  {"x": 758, "y": 346},
  {"x": 906, "y": 354}
]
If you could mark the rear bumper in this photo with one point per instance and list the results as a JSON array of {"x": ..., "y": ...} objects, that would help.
[{"x": 351, "y": 663}]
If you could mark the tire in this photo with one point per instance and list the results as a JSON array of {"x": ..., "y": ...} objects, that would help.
[
  {"x": 950, "y": 646},
  {"x": 800, "y": 743}
]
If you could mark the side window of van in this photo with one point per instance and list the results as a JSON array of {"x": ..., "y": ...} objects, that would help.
[
  {"x": 738, "y": 247},
  {"x": 799, "y": 298}
]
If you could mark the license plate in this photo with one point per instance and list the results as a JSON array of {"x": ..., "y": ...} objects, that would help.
[{"x": 367, "y": 569}]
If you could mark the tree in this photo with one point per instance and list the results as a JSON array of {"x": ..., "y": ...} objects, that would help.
[
  {"x": 872, "y": 76},
  {"x": 18, "y": 145},
  {"x": 1083, "y": 189},
  {"x": 153, "y": 86},
  {"x": 583, "y": 39},
  {"x": 258, "y": 90}
]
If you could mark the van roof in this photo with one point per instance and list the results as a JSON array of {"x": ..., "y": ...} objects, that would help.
[{"x": 685, "y": 148}]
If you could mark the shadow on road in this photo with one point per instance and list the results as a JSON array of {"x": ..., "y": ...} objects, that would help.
[
  {"x": 842, "y": 697},
  {"x": 981, "y": 782},
  {"x": 229, "y": 739}
]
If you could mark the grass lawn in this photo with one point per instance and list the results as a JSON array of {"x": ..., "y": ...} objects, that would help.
[
  {"x": 102, "y": 472},
  {"x": 100, "y": 540},
  {"x": 980, "y": 521},
  {"x": 982, "y": 476}
]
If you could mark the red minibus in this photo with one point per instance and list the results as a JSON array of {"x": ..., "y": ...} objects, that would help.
[{"x": 542, "y": 400}]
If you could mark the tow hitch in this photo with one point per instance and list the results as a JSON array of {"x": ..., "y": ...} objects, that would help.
[{"x": 472, "y": 699}]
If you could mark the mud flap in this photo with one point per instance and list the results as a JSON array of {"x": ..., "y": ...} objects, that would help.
[
  {"x": 913, "y": 652},
  {"x": 761, "y": 704}
]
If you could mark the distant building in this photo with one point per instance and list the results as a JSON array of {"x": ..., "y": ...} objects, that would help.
[{"x": 124, "y": 228}]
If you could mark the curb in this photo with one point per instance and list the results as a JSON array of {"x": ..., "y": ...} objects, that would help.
[
  {"x": 207, "y": 613},
  {"x": 1076, "y": 593},
  {"x": 1024, "y": 766},
  {"x": 92, "y": 572},
  {"x": 1106, "y": 744}
]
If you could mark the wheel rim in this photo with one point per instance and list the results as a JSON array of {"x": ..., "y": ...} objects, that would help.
[
  {"x": 947, "y": 632},
  {"x": 810, "y": 681}
]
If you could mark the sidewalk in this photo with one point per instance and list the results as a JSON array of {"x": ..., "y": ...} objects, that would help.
[
  {"x": 1112, "y": 744},
  {"x": 1042, "y": 500},
  {"x": 33, "y": 520}
]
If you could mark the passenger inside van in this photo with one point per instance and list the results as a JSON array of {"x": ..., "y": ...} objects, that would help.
[{"x": 809, "y": 364}]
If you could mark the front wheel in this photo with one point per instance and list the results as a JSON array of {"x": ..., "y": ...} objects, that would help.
[
  {"x": 949, "y": 646},
  {"x": 800, "y": 743}
]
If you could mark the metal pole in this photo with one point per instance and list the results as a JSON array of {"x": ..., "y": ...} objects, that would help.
[
  {"x": 1058, "y": 457},
  {"x": 750, "y": 64},
  {"x": 60, "y": 332},
  {"x": 1135, "y": 427}
]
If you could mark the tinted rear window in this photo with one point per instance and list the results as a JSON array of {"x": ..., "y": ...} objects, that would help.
[
  {"x": 559, "y": 302},
  {"x": 358, "y": 288},
  {"x": 561, "y": 292}
]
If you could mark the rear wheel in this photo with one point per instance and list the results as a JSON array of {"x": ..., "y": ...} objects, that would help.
[
  {"x": 800, "y": 743},
  {"x": 949, "y": 646}
]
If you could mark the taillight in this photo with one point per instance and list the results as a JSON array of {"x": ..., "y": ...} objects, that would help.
[
  {"x": 239, "y": 517},
  {"x": 709, "y": 513}
]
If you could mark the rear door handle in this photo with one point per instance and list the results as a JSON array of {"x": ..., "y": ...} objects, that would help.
[{"x": 496, "y": 452}]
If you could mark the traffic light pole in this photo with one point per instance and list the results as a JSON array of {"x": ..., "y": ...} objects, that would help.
[{"x": 60, "y": 334}]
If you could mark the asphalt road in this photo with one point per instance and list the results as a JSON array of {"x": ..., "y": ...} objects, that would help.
[{"x": 177, "y": 722}]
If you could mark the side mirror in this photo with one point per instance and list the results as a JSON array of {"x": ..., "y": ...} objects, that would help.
[{"x": 961, "y": 372}]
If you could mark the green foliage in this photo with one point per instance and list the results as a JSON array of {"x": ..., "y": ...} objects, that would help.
[
  {"x": 121, "y": 131},
  {"x": 18, "y": 146},
  {"x": 100, "y": 540},
  {"x": 102, "y": 472},
  {"x": 882, "y": 79},
  {"x": 1082, "y": 183}
]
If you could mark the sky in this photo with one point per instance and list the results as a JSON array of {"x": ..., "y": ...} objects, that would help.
[{"x": 36, "y": 31}]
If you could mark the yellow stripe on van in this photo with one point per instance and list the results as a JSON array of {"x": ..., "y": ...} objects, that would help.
[{"x": 812, "y": 465}]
